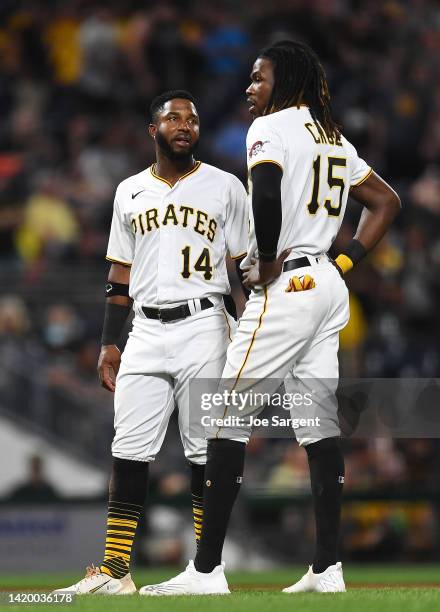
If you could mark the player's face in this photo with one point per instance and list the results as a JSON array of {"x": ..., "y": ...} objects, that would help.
[
  {"x": 177, "y": 128},
  {"x": 259, "y": 91}
]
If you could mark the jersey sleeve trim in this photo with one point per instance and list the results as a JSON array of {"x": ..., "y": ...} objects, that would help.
[
  {"x": 370, "y": 171},
  {"x": 238, "y": 256},
  {"x": 266, "y": 161},
  {"x": 123, "y": 263}
]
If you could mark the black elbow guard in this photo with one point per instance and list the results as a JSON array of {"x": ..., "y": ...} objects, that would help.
[{"x": 112, "y": 288}]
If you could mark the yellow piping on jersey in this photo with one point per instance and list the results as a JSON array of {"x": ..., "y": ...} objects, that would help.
[
  {"x": 238, "y": 256},
  {"x": 227, "y": 323},
  {"x": 369, "y": 173},
  {"x": 153, "y": 172},
  {"x": 260, "y": 322},
  {"x": 123, "y": 263},
  {"x": 266, "y": 161}
]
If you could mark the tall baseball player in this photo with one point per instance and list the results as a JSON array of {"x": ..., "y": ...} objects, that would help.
[
  {"x": 172, "y": 226},
  {"x": 301, "y": 172}
]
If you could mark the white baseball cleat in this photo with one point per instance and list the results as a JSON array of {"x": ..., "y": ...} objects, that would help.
[
  {"x": 329, "y": 581},
  {"x": 191, "y": 582},
  {"x": 99, "y": 583}
]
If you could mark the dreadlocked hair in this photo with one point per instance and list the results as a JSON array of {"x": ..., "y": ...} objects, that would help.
[{"x": 300, "y": 78}]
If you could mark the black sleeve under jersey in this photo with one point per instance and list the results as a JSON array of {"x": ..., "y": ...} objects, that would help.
[{"x": 266, "y": 206}]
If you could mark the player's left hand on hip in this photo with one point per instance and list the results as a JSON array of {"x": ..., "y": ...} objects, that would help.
[{"x": 263, "y": 272}]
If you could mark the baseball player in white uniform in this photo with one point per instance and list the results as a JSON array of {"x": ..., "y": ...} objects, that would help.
[
  {"x": 172, "y": 226},
  {"x": 301, "y": 172}
]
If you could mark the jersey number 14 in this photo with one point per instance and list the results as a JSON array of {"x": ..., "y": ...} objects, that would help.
[
  {"x": 203, "y": 263},
  {"x": 332, "y": 181}
]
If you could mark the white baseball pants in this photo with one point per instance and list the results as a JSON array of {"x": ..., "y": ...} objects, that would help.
[
  {"x": 156, "y": 365},
  {"x": 291, "y": 336}
]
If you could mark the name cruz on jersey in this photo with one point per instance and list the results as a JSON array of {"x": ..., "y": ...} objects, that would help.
[{"x": 320, "y": 137}]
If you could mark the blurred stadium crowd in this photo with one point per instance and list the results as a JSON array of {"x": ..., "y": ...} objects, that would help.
[{"x": 76, "y": 78}]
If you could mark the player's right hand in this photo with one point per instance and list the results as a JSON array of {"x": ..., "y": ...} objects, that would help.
[{"x": 108, "y": 366}]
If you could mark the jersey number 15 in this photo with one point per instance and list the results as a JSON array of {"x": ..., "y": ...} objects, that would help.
[{"x": 333, "y": 181}]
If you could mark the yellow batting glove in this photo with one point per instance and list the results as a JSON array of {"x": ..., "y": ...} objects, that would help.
[{"x": 300, "y": 283}]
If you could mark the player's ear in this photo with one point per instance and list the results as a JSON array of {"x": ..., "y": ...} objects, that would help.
[{"x": 152, "y": 129}]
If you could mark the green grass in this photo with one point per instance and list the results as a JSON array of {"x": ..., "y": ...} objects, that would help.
[{"x": 395, "y": 588}]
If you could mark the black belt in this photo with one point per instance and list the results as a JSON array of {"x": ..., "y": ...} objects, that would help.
[
  {"x": 293, "y": 264},
  {"x": 167, "y": 315}
]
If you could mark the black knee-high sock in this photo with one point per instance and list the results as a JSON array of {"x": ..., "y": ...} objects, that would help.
[
  {"x": 197, "y": 480},
  {"x": 326, "y": 464},
  {"x": 127, "y": 493},
  {"x": 223, "y": 477}
]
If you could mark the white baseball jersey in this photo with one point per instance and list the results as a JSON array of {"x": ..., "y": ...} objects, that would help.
[
  {"x": 317, "y": 176},
  {"x": 175, "y": 237}
]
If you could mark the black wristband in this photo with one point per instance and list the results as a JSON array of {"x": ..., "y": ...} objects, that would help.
[
  {"x": 115, "y": 316},
  {"x": 355, "y": 251}
]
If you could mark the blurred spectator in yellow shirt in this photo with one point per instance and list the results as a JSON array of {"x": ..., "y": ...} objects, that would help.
[{"x": 49, "y": 226}]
